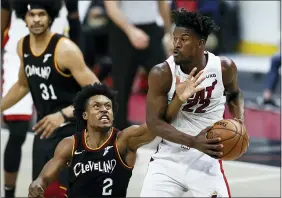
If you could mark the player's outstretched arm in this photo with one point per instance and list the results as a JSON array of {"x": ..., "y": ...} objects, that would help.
[
  {"x": 62, "y": 156},
  {"x": 134, "y": 137},
  {"x": 235, "y": 98},
  {"x": 184, "y": 90},
  {"x": 20, "y": 88}
]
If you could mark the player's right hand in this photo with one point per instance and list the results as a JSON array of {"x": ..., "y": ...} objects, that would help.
[
  {"x": 211, "y": 147},
  {"x": 35, "y": 190}
]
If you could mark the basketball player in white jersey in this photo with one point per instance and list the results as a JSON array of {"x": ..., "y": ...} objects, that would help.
[
  {"x": 17, "y": 117},
  {"x": 186, "y": 159}
]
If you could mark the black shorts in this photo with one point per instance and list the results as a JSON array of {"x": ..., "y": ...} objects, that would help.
[{"x": 43, "y": 151}]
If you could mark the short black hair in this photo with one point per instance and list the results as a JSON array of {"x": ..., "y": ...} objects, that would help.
[
  {"x": 52, "y": 7},
  {"x": 202, "y": 25},
  {"x": 87, "y": 92}
]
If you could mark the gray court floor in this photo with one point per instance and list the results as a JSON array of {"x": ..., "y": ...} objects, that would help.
[{"x": 245, "y": 179}]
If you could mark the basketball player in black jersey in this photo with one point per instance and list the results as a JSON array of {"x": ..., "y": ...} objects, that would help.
[
  {"x": 53, "y": 70},
  {"x": 18, "y": 121},
  {"x": 100, "y": 159}
]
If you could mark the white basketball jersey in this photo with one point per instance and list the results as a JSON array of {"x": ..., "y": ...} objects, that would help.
[
  {"x": 205, "y": 107},
  {"x": 18, "y": 29}
]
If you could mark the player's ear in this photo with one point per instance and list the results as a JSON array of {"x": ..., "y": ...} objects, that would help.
[
  {"x": 201, "y": 43},
  {"x": 85, "y": 116}
]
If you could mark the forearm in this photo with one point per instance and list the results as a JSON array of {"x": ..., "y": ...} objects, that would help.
[
  {"x": 68, "y": 111},
  {"x": 14, "y": 95},
  {"x": 168, "y": 132},
  {"x": 49, "y": 173},
  {"x": 164, "y": 9},
  {"x": 236, "y": 106},
  {"x": 173, "y": 108},
  {"x": 117, "y": 16}
]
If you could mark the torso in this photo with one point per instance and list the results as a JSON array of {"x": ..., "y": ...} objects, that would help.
[
  {"x": 205, "y": 107},
  {"x": 200, "y": 111},
  {"x": 98, "y": 172},
  {"x": 51, "y": 88}
]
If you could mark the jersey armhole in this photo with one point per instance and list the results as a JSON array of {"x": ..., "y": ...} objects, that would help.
[
  {"x": 74, "y": 146},
  {"x": 119, "y": 156},
  {"x": 220, "y": 71},
  {"x": 172, "y": 71},
  {"x": 55, "y": 61}
]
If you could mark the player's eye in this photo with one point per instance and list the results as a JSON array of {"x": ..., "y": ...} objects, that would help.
[{"x": 108, "y": 106}]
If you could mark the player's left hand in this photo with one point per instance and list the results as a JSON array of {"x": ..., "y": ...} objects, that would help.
[
  {"x": 190, "y": 86},
  {"x": 48, "y": 124}
]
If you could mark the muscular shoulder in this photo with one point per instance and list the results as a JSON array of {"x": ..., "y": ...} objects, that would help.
[
  {"x": 229, "y": 69},
  {"x": 20, "y": 47},
  {"x": 68, "y": 53},
  {"x": 65, "y": 147},
  {"x": 66, "y": 46},
  {"x": 160, "y": 76}
]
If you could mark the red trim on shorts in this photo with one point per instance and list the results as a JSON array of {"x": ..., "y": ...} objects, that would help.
[
  {"x": 224, "y": 177},
  {"x": 17, "y": 117}
]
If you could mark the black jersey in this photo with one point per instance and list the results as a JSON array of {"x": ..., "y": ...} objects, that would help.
[
  {"x": 98, "y": 172},
  {"x": 51, "y": 88}
]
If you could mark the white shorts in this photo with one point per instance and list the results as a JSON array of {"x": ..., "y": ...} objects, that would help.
[
  {"x": 23, "y": 109},
  {"x": 172, "y": 177}
]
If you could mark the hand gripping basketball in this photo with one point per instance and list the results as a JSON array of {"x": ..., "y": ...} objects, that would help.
[{"x": 211, "y": 147}]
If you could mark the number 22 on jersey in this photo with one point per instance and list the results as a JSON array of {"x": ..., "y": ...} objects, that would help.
[
  {"x": 47, "y": 92},
  {"x": 199, "y": 98}
]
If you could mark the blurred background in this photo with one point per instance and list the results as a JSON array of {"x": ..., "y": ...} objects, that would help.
[{"x": 250, "y": 35}]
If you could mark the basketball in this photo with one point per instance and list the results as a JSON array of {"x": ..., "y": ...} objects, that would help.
[{"x": 234, "y": 138}]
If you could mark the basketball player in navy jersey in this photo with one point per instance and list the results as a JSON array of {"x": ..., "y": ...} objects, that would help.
[
  {"x": 100, "y": 158},
  {"x": 17, "y": 118},
  {"x": 186, "y": 159},
  {"x": 53, "y": 71}
]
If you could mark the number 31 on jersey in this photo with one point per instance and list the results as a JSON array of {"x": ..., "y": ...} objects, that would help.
[{"x": 47, "y": 92}]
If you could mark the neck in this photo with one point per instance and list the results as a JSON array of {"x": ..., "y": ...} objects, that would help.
[
  {"x": 41, "y": 38},
  {"x": 198, "y": 62},
  {"x": 96, "y": 138}
]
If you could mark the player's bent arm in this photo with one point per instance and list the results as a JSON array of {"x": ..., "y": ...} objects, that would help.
[
  {"x": 235, "y": 99},
  {"x": 139, "y": 135},
  {"x": 51, "y": 170},
  {"x": 172, "y": 109},
  {"x": 20, "y": 88},
  {"x": 71, "y": 59},
  {"x": 160, "y": 79},
  {"x": 134, "y": 137}
]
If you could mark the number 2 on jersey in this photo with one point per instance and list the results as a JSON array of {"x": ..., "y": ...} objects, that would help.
[
  {"x": 106, "y": 189},
  {"x": 46, "y": 93},
  {"x": 200, "y": 99}
]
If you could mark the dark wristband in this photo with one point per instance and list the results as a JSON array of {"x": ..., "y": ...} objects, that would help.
[{"x": 64, "y": 115}]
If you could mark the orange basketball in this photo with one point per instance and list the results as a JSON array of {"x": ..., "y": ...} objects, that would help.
[{"x": 234, "y": 138}]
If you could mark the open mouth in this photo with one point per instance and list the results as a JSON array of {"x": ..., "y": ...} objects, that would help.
[
  {"x": 104, "y": 118},
  {"x": 176, "y": 52}
]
